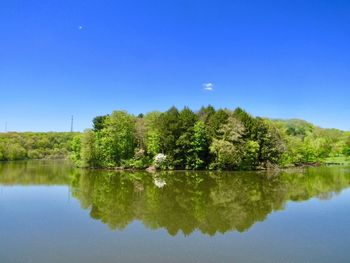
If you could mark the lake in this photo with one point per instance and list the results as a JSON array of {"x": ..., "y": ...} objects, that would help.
[{"x": 53, "y": 212}]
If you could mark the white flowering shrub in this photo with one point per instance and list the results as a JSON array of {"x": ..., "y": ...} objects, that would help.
[{"x": 159, "y": 159}]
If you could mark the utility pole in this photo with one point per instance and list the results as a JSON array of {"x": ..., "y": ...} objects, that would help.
[{"x": 71, "y": 124}]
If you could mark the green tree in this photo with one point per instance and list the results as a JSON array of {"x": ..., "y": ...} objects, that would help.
[
  {"x": 1, "y": 152},
  {"x": 99, "y": 122},
  {"x": 140, "y": 132},
  {"x": 89, "y": 153},
  {"x": 169, "y": 132},
  {"x": 76, "y": 149},
  {"x": 271, "y": 145},
  {"x": 250, "y": 155},
  {"x": 228, "y": 148},
  {"x": 152, "y": 133},
  {"x": 249, "y": 123},
  {"x": 184, "y": 152},
  {"x": 346, "y": 149},
  {"x": 215, "y": 121},
  {"x": 117, "y": 138},
  {"x": 205, "y": 113},
  {"x": 200, "y": 150},
  {"x": 15, "y": 152}
]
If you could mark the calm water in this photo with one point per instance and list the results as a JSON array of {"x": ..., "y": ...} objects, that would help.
[{"x": 51, "y": 212}]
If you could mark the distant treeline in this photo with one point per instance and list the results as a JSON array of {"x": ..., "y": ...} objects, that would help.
[
  {"x": 206, "y": 139},
  {"x": 35, "y": 145}
]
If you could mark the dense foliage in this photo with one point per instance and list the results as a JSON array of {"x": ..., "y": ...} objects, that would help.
[
  {"x": 307, "y": 143},
  {"x": 35, "y": 145},
  {"x": 207, "y": 139}
]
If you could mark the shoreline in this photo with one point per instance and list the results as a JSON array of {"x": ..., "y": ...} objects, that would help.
[
  {"x": 278, "y": 168},
  {"x": 152, "y": 169}
]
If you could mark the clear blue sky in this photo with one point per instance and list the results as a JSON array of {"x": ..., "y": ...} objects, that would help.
[{"x": 278, "y": 59}]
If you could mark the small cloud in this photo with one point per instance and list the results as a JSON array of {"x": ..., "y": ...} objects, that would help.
[
  {"x": 208, "y": 86},
  {"x": 80, "y": 27}
]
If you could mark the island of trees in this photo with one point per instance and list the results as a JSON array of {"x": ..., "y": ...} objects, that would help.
[
  {"x": 183, "y": 139},
  {"x": 207, "y": 139}
]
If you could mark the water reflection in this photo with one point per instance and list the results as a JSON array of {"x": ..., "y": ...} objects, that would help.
[
  {"x": 210, "y": 202},
  {"x": 39, "y": 172}
]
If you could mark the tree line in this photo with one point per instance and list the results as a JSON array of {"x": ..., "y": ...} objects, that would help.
[
  {"x": 207, "y": 139},
  {"x": 35, "y": 145}
]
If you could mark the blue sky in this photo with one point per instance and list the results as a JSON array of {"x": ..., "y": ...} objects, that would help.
[{"x": 278, "y": 59}]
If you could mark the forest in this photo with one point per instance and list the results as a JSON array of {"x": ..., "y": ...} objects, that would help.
[
  {"x": 215, "y": 139},
  {"x": 35, "y": 145}
]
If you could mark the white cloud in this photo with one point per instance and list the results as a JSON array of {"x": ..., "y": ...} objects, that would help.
[{"x": 208, "y": 86}]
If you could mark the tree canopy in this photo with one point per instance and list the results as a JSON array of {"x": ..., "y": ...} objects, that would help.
[
  {"x": 36, "y": 145},
  {"x": 207, "y": 139}
]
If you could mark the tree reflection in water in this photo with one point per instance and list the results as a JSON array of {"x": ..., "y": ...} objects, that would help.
[{"x": 210, "y": 202}]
